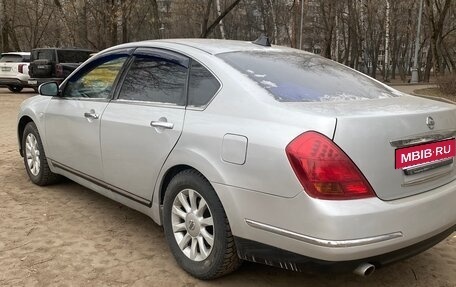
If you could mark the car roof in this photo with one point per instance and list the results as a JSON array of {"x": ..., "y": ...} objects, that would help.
[
  {"x": 17, "y": 53},
  {"x": 66, "y": 49},
  {"x": 217, "y": 46},
  {"x": 210, "y": 46}
]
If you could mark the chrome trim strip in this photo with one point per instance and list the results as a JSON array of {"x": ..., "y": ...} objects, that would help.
[
  {"x": 428, "y": 166},
  {"x": 148, "y": 103},
  {"x": 426, "y": 179},
  {"x": 101, "y": 100},
  {"x": 423, "y": 138},
  {"x": 324, "y": 242}
]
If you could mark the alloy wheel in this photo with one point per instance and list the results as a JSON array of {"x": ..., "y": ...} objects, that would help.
[
  {"x": 192, "y": 224},
  {"x": 32, "y": 154}
]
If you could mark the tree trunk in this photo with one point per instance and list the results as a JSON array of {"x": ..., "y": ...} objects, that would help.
[
  {"x": 437, "y": 28},
  {"x": 221, "y": 26},
  {"x": 207, "y": 14},
  {"x": 84, "y": 30},
  {"x": 387, "y": 35},
  {"x": 155, "y": 20},
  {"x": 113, "y": 22},
  {"x": 427, "y": 71},
  {"x": 274, "y": 23},
  {"x": 328, "y": 21},
  {"x": 209, "y": 30}
]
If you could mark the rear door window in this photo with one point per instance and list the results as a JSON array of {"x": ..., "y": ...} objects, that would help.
[
  {"x": 155, "y": 78},
  {"x": 292, "y": 76}
]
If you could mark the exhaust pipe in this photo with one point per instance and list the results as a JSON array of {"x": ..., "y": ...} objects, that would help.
[{"x": 364, "y": 269}]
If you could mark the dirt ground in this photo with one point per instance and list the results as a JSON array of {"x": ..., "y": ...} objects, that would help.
[{"x": 67, "y": 235}]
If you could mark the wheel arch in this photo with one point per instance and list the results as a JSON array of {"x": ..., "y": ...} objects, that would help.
[
  {"x": 24, "y": 120},
  {"x": 172, "y": 167},
  {"x": 168, "y": 176}
]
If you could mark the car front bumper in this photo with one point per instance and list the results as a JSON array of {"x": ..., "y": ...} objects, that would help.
[{"x": 338, "y": 231}]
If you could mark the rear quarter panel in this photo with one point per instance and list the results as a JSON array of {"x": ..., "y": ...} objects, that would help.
[{"x": 243, "y": 108}]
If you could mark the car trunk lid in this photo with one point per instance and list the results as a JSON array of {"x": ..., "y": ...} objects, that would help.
[
  {"x": 8, "y": 69},
  {"x": 371, "y": 131}
]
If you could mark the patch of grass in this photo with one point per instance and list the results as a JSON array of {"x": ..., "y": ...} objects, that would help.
[{"x": 434, "y": 92}]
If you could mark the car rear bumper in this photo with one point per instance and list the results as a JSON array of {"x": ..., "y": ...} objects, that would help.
[
  {"x": 330, "y": 230},
  {"x": 13, "y": 82},
  {"x": 261, "y": 253}
]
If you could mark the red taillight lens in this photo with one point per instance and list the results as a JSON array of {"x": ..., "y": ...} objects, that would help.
[
  {"x": 20, "y": 68},
  {"x": 59, "y": 71},
  {"x": 324, "y": 170}
]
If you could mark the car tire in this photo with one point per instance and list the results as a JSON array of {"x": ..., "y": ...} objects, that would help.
[
  {"x": 187, "y": 223},
  {"x": 15, "y": 88},
  {"x": 35, "y": 160}
]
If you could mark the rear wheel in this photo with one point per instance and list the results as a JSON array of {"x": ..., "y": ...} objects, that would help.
[
  {"x": 34, "y": 158},
  {"x": 196, "y": 227},
  {"x": 15, "y": 88}
]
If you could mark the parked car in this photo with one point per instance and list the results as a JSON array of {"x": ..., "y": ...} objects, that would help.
[
  {"x": 243, "y": 151},
  {"x": 14, "y": 68},
  {"x": 55, "y": 64}
]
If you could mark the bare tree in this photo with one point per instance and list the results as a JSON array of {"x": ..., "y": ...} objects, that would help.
[{"x": 217, "y": 20}]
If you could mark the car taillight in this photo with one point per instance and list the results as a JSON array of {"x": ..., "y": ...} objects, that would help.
[
  {"x": 324, "y": 170},
  {"x": 20, "y": 68},
  {"x": 59, "y": 71}
]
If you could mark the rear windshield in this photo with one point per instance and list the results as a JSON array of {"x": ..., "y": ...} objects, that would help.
[
  {"x": 14, "y": 58},
  {"x": 295, "y": 76},
  {"x": 43, "y": 55},
  {"x": 72, "y": 56}
]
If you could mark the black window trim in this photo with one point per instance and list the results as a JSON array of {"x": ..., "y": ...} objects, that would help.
[{"x": 116, "y": 99}]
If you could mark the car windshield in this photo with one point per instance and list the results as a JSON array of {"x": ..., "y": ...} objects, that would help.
[
  {"x": 13, "y": 58},
  {"x": 72, "y": 56},
  {"x": 294, "y": 76}
]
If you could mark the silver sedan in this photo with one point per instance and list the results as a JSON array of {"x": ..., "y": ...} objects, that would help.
[{"x": 246, "y": 151}]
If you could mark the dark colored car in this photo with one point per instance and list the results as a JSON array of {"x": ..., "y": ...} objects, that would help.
[{"x": 54, "y": 64}]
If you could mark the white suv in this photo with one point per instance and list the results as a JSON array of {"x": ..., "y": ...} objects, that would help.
[{"x": 14, "y": 68}]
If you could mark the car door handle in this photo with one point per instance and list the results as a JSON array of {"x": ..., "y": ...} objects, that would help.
[
  {"x": 91, "y": 115},
  {"x": 161, "y": 124}
]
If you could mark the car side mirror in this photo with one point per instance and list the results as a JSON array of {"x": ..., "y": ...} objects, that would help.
[{"x": 49, "y": 89}]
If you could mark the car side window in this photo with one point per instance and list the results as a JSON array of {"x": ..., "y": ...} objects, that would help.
[
  {"x": 95, "y": 82},
  {"x": 202, "y": 85},
  {"x": 154, "y": 79}
]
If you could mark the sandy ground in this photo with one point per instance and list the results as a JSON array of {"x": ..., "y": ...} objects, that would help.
[{"x": 66, "y": 235}]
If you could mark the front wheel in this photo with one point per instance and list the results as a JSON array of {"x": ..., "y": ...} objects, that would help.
[
  {"x": 15, "y": 88},
  {"x": 196, "y": 227},
  {"x": 34, "y": 158}
]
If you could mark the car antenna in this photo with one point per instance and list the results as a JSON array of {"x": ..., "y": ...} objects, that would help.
[{"x": 263, "y": 40}]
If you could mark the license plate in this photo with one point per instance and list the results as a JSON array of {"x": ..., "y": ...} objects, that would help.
[
  {"x": 424, "y": 153},
  {"x": 41, "y": 67},
  {"x": 32, "y": 82},
  {"x": 6, "y": 69}
]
